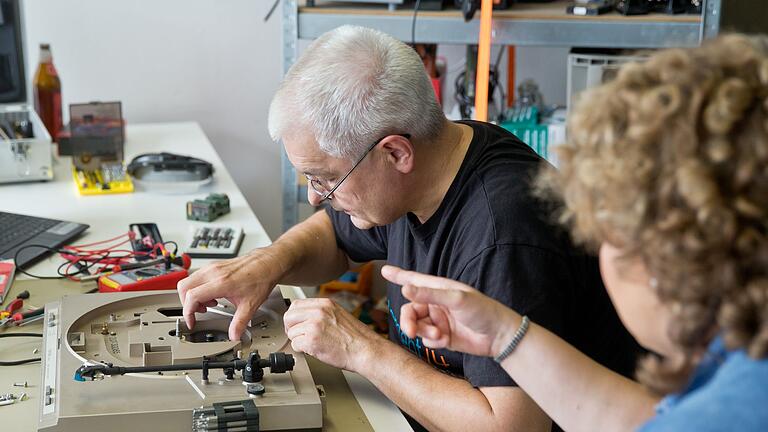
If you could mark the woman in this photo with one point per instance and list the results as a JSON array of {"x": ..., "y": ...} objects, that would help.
[{"x": 666, "y": 172}]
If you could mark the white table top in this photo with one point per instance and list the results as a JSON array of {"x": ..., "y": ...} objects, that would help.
[{"x": 110, "y": 215}]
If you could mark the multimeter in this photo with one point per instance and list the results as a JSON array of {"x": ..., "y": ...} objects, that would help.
[{"x": 154, "y": 277}]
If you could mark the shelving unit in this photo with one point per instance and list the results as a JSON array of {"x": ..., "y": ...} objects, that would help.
[
  {"x": 544, "y": 24},
  {"x": 525, "y": 24}
]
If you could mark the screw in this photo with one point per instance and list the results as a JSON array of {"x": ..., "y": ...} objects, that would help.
[
  {"x": 23, "y": 396},
  {"x": 35, "y": 351},
  {"x": 20, "y": 384}
]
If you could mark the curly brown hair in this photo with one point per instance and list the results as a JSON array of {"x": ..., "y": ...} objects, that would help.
[{"x": 669, "y": 162}]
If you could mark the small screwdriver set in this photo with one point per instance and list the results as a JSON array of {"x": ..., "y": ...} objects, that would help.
[
  {"x": 108, "y": 179},
  {"x": 214, "y": 241}
]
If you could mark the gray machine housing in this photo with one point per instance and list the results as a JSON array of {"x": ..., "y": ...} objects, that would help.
[{"x": 140, "y": 329}]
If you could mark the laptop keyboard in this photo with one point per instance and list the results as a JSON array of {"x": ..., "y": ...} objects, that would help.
[{"x": 15, "y": 229}]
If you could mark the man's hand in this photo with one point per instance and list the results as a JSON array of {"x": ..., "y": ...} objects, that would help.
[
  {"x": 323, "y": 329},
  {"x": 450, "y": 314},
  {"x": 245, "y": 281}
]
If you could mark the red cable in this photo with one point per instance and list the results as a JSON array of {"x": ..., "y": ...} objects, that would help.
[
  {"x": 75, "y": 254},
  {"x": 102, "y": 241}
]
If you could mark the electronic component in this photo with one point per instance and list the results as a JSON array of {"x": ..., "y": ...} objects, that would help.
[
  {"x": 209, "y": 209},
  {"x": 469, "y": 7},
  {"x": 639, "y": 7},
  {"x": 144, "y": 237},
  {"x": 590, "y": 7},
  {"x": 160, "y": 276},
  {"x": 26, "y": 239},
  {"x": 177, "y": 378},
  {"x": 214, "y": 241}
]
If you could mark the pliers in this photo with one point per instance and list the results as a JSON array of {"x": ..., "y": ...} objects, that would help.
[
  {"x": 15, "y": 305},
  {"x": 10, "y": 315}
]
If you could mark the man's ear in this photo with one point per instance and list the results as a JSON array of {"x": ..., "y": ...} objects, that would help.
[{"x": 399, "y": 152}]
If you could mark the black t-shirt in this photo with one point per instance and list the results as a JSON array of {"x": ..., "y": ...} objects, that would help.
[{"x": 491, "y": 233}]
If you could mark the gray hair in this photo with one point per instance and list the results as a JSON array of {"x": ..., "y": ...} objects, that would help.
[{"x": 352, "y": 86}]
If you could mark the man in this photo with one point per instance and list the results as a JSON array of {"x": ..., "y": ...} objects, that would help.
[{"x": 358, "y": 117}]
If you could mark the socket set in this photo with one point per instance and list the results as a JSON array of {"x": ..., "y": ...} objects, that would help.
[{"x": 214, "y": 241}]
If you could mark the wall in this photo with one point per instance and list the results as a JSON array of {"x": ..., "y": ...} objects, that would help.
[{"x": 214, "y": 62}]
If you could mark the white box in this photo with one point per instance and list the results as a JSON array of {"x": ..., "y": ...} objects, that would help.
[
  {"x": 589, "y": 70},
  {"x": 27, "y": 159}
]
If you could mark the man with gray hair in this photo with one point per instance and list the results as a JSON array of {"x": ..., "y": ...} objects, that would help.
[{"x": 358, "y": 117}]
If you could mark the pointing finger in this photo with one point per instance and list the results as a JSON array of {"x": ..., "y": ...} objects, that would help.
[
  {"x": 446, "y": 297},
  {"x": 405, "y": 277}
]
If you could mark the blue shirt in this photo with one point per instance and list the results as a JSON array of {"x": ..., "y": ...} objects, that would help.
[{"x": 728, "y": 392}]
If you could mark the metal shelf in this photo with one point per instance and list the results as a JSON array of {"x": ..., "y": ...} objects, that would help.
[{"x": 524, "y": 24}]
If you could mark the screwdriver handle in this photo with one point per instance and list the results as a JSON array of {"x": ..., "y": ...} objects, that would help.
[{"x": 28, "y": 314}]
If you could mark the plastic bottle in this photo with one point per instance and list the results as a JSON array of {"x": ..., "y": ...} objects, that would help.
[{"x": 47, "y": 88}]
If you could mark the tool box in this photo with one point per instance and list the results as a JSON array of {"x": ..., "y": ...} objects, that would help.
[
  {"x": 28, "y": 154},
  {"x": 95, "y": 138}
]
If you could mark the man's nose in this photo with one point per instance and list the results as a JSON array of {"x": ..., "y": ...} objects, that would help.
[{"x": 313, "y": 197}]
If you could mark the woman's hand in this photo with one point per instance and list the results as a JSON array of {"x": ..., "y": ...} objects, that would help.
[{"x": 450, "y": 314}]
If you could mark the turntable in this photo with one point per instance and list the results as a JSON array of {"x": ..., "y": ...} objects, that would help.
[{"x": 127, "y": 362}]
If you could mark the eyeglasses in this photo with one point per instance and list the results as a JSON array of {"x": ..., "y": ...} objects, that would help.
[{"x": 320, "y": 189}]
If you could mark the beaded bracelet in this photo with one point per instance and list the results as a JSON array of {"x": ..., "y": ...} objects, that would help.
[{"x": 521, "y": 331}]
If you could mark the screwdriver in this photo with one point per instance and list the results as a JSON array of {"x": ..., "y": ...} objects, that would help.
[
  {"x": 28, "y": 316},
  {"x": 20, "y": 318}
]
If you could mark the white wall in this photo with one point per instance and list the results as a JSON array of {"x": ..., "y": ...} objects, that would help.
[{"x": 214, "y": 62}]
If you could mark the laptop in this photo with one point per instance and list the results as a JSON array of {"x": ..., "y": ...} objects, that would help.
[{"x": 19, "y": 232}]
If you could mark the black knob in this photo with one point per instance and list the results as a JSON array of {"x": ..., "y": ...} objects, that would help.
[
  {"x": 252, "y": 372},
  {"x": 281, "y": 362}
]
